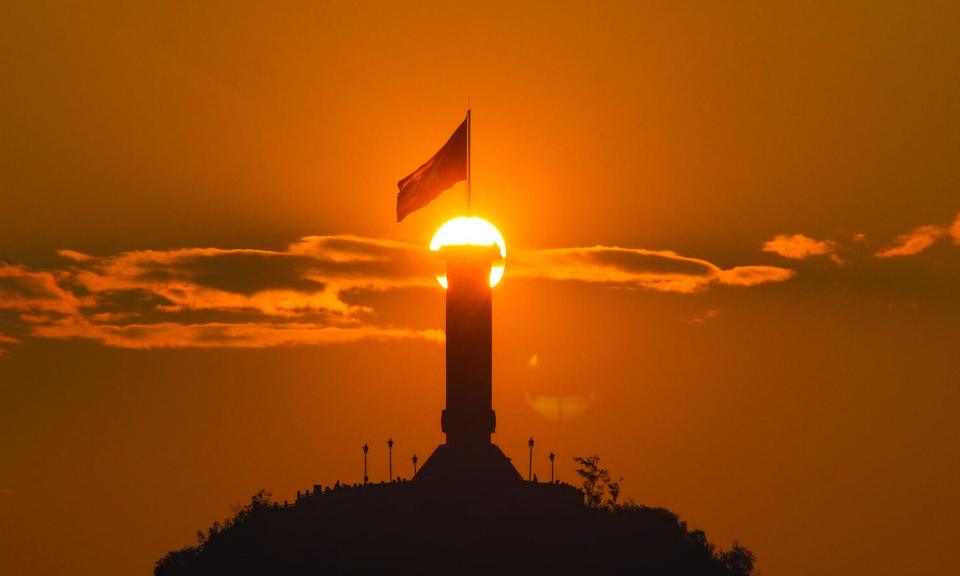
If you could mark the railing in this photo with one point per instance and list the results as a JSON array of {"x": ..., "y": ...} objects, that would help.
[{"x": 322, "y": 491}]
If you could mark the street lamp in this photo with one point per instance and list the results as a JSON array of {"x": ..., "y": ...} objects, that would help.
[
  {"x": 551, "y": 467},
  {"x": 530, "y": 444},
  {"x": 390, "y": 446},
  {"x": 365, "y": 477},
  {"x": 414, "y": 464}
]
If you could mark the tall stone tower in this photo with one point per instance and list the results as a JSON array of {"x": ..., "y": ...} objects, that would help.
[{"x": 469, "y": 419}]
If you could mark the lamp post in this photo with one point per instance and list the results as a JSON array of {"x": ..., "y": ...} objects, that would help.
[
  {"x": 530, "y": 474},
  {"x": 414, "y": 464},
  {"x": 365, "y": 477},
  {"x": 551, "y": 467},
  {"x": 390, "y": 446}
]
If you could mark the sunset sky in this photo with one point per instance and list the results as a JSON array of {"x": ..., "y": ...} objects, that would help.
[{"x": 733, "y": 263}]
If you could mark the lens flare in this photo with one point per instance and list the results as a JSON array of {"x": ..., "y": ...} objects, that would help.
[{"x": 475, "y": 231}]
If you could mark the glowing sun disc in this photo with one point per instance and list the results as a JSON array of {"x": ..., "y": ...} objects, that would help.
[{"x": 474, "y": 231}]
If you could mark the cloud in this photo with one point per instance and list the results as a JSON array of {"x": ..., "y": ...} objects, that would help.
[
  {"x": 705, "y": 317},
  {"x": 23, "y": 290},
  {"x": 662, "y": 271},
  {"x": 798, "y": 246},
  {"x": 7, "y": 492},
  {"x": 921, "y": 239},
  {"x": 308, "y": 276},
  {"x": 303, "y": 295},
  {"x": 220, "y": 335},
  {"x": 74, "y": 255},
  {"x": 914, "y": 242},
  {"x": 271, "y": 298},
  {"x": 753, "y": 275},
  {"x": 37, "y": 318},
  {"x": 7, "y": 340},
  {"x": 111, "y": 316}
]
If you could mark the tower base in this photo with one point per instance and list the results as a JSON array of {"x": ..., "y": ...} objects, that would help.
[{"x": 456, "y": 463}]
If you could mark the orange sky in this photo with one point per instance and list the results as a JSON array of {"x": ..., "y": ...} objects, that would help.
[{"x": 733, "y": 237}]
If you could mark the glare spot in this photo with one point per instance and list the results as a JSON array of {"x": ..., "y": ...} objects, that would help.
[{"x": 560, "y": 407}]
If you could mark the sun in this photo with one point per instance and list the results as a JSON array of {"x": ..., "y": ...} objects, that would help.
[{"x": 476, "y": 231}]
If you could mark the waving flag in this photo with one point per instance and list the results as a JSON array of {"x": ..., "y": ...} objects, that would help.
[{"x": 446, "y": 168}]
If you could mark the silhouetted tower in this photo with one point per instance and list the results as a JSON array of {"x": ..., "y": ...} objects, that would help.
[{"x": 469, "y": 419}]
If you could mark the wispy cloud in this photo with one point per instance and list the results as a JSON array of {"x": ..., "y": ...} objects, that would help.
[
  {"x": 272, "y": 298},
  {"x": 308, "y": 276},
  {"x": 914, "y": 242},
  {"x": 705, "y": 317},
  {"x": 8, "y": 340},
  {"x": 261, "y": 298},
  {"x": 663, "y": 270},
  {"x": 922, "y": 238},
  {"x": 753, "y": 275},
  {"x": 798, "y": 246},
  {"x": 23, "y": 290},
  {"x": 219, "y": 335}
]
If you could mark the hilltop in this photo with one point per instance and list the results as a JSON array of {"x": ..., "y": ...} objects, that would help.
[{"x": 405, "y": 527}]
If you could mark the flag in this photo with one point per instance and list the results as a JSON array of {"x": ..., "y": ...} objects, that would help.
[{"x": 446, "y": 168}]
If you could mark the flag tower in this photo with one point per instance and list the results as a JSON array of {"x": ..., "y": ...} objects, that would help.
[{"x": 469, "y": 419}]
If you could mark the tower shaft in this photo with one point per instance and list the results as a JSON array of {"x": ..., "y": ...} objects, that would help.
[{"x": 469, "y": 418}]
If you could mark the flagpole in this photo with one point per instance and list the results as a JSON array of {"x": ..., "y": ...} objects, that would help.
[{"x": 468, "y": 162}]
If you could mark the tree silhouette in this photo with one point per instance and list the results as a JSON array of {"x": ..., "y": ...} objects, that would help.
[
  {"x": 176, "y": 561},
  {"x": 739, "y": 560},
  {"x": 596, "y": 482}
]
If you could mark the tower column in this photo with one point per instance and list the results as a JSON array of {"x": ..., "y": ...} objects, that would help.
[{"x": 469, "y": 418}]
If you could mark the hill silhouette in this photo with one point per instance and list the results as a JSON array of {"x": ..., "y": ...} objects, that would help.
[
  {"x": 467, "y": 510},
  {"x": 418, "y": 528}
]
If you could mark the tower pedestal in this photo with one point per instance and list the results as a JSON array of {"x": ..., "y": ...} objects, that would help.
[{"x": 481, "y": 462}]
